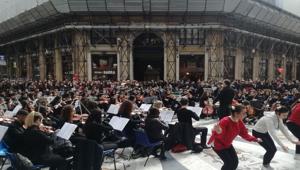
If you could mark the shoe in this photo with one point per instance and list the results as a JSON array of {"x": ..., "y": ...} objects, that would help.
[
  {"x": 267, "y": 167},
  {"x": 206, "y": 147},
  {"x": 297, "y": 157}
]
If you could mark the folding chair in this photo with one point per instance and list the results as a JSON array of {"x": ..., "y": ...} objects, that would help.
[
  {"x": 110, "y": 153},
  {"x": 3, "y": 151},
  {"x": 141, "y": 139},
  {"x": 14, "y": 162}
]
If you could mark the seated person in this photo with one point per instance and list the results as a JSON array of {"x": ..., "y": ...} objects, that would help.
[
  {"x": 153, "y": 128},
  {"x": 251, "y": 118},
  {"x": 96, "y": 130},
  {"x": 66, "y": 115},
  {"x": 14, "y": 135},
  {"x": 125, "y": 111},
  {"x": 185, "y": 116},
  {"x": 37, "y": 144}
]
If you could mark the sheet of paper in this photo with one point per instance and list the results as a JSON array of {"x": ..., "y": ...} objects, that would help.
[
  {"x": 9, "y": 114},
  {"x": 16, "y": 109},
  {"x": 77, "y": 103},
  {"x": 3, "y": 130},
  {"x": 67, "y": 130},
  {"x": 50, "y": 99},
  {"x": 113, "y": 109},
  {"x": 145, "y": 107},
  {"x": 197, "y": 110},
  {"x": 166, "y": 115},
  {"x": 118, "y": 123}
]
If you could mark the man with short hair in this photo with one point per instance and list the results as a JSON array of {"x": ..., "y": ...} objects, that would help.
[
  {"x": 14, "y": 135},
  {"x": 225, "y": 98}
]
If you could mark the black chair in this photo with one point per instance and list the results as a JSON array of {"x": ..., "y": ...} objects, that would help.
[{"x": 88, "y": 154}]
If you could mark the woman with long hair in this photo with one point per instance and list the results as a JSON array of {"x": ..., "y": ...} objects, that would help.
[{"x": 154, "y": 127}]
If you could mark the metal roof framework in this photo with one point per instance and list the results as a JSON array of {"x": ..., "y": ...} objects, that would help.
[{"x": 254, "y": 11}]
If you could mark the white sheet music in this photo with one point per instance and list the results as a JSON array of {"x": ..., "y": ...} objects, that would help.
[
  {"x": 9, "y": 114},
  {"x": 197, "y": 110},
  {"x": 145, "y": 107},
  {"x": 113, "y": 109},
  {"x": 50, "y": 99},
  {"x": 66, "y": 131},
  {"x": 16, "y": 109},
  {"x": 269, "y": 113},
  {"x": 77, "y": 103},
  {"x": 166, "y": 115},
  {"x": 3, "y": 130},
  {"x": 118, "y": 123}
]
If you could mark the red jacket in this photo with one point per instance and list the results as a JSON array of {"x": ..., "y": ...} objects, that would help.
[
  {"x": 295, "y": 115},
  {"x": 230, "y": 130}
]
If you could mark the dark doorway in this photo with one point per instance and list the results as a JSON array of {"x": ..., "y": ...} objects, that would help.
[{"x": 148, "y": 57}]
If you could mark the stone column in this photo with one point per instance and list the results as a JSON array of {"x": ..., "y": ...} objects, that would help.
[
  {"x": 271, "y": 63},
  {"x": 171, "y": 56},
  {"x": 239, "y": 64},
  {"x": 29, "y": 66},
  {"x": 124, "y": 54},
  {"x": 214, "y": 55},
  {"x": 294, "y": 69},
  {"x": 42, "y": 61},
  {"x": 58, "y": 61},
  {"x": 80, "y": 45},
  {"x": 284, "y": 61},
  {"x": 256, "y": 66}
]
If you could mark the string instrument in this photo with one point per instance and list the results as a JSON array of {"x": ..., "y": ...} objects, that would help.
[{"x": 208, "y": 109}]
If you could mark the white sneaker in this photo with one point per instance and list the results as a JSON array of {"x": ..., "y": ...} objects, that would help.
[{"x": 297, "y": 157}]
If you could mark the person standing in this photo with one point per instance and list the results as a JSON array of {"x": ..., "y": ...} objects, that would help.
[
  {"x": 266, "y": 127},
  {"x": 293, "y": 124},
  {"x": 225, "y": 132},
  {"x": 225, "y": 98}
]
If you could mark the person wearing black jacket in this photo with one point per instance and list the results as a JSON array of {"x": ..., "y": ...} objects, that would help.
[
  {"x": 14, "y": 135},
  {"x": 153, "y": 128},
  {"x": 37, "y": 144},
  {"x": 225, "y": 98},
  {"x": 185, "y": 116}
]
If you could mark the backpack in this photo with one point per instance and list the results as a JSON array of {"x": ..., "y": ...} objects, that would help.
[{"x": 179, "y": 148}]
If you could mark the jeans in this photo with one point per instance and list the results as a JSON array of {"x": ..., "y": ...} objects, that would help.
[
  {"x": 295, "y": 129},
  {"x": 229, "y": 157},
  {"x": 268, "y": 144}
]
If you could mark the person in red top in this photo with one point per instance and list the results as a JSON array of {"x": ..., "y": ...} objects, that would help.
[
  {"x": 225, "y": 132},
  {"x": 293, "y": 124}
]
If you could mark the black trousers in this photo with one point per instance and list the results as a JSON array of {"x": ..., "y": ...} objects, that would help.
[
  {"x": 203, "y": 131},
  {"x": 229, "y": 157},
  {"x": 268, "y": 144},
  {"x": 54, "y": 161},
  {"x": 223, "y": 111},
  {"x": 295, "y": 129}
]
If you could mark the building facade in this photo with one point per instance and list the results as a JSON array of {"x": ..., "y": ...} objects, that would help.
[{"x": 152, "y": 40}]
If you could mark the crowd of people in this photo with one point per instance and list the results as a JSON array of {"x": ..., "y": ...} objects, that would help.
[{"x": 48, "y": 105}]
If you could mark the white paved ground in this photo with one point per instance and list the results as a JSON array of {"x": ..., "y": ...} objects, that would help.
[{"x": 250, "y": 158}]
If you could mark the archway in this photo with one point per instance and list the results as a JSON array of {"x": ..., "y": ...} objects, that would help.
[{"x": 148, "y": 57}]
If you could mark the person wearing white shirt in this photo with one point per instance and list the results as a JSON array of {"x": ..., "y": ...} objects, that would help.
[{"x": 266, "y": 127}]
